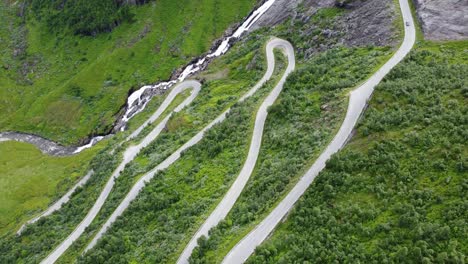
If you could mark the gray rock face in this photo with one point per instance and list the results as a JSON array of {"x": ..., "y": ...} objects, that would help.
[
  {"x": 443, "y": 19},
  {"x": 362, "y": 23},
  {"x": 278, "y": 12},
  {"x": 284, "y": 9},
  {"x": 369, "y": 23}
]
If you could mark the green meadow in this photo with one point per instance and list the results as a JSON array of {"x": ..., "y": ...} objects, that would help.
[
  {"x": 30, "y": 180},
  {"x": 66, "y": 87},
  {"x": 397, "y": 192}
]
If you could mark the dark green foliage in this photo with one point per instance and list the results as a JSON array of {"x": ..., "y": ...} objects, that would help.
[
  {"x": 38, "y": 239},
  {"x": 298, "y": 127},
  {"x": 87, "y": 17},
  {"x": 398, "y": 193},
  {"x": 157, "y": 220}
]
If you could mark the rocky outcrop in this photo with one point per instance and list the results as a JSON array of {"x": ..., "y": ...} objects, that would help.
[
  {"x": 284, "y": 9},
  {"x": 278, "y": 12},
  {"x": 443, "y": 19},
  {"x": 369, "y": 23},
  {"x": 361, "y": 23}
]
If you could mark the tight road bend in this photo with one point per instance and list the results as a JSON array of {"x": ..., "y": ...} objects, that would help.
[
  {"x": 234, "y": 192},
  {"x": 357, "y": 102},
  {"x": 176, "y": 155},
  {"x": 129, "y": 154}
]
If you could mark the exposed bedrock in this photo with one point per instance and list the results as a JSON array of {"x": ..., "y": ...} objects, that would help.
[
  {"x": 443, "y": 19},
  {"x": 365, "y": 22},
  {"x": 370, "y": 22}
]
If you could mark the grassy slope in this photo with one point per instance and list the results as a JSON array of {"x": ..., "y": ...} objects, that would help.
[
  {"x": 40, "y": 237},
  {"x": 240, "y": 69},
  {"x": 210, "y": 164},
  {"x": 314, "y": 100},
  {"x": 31, "y": 180},
  {"x": 398, "y": 192},
  {"x": 122, "y": 237},
  {"x": 65, "y": 87}
]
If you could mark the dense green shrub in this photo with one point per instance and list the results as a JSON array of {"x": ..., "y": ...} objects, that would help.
[
  {"x": 398, "y": 193},
  {"x": 87, "y": 17},
  {"x": 298, "y": 127}
]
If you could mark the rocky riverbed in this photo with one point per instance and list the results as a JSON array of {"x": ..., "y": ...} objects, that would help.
[{"x": 45, "y": 145}]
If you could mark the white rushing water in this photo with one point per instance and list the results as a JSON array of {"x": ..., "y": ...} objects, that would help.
[
  {"x": 90, "y": 144},
  {"x": 193, "y": 68},
  {"x": 137, "y": 103}
]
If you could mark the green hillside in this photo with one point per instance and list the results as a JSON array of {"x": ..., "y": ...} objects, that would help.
[
  {"x": 303, "y": 120},
  {"x": 65, "y": 86},
  {"x": 225, "y": 81},
  {"x": 398, "y": 192},
  {"x": 30, "y": 181}
]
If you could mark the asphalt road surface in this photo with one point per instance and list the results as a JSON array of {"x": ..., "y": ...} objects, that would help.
[
  {"x": 231, "y": 196},
  {"x": 129, "y": 154},
  {"x": 357, "y": 102},
  {"x": 176, "y": 155}
]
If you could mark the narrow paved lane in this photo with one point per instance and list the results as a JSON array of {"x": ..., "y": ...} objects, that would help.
[
  {"x": 357, "y": 102},
  {"x": 231, "y": 196},
  {"x": 129, "y": 154},
  {"x": 58, "y": 204},
  {"x": 176, "y": 155}
]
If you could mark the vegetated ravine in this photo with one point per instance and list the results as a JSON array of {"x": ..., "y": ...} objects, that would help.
[{"x": 138, "y": 100}]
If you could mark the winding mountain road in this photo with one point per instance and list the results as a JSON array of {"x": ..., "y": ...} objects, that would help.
[
  {"x": 274, "y": 43},
  {"x": 58, "y": 204},
  {"x": 129, "y": 154},
  {"x": 357, "y": 103},
  {"x": 245, "y": 247},
  {"x": 234, "y": 192}
]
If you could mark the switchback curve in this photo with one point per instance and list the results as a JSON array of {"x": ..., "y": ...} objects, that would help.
[
  {"x": 129, "y": 154},
  {"x": 234, "y": 192},
  {"x": 357, "y": 103},
  {"x": 176, "y": 155}
]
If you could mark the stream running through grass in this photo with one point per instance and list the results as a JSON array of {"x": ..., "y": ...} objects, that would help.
[{"x": 138, "y": 100}]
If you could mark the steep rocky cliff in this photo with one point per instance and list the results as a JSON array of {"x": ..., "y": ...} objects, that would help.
[
  {"x": 369, "y": 22},
  {"x": 443, "y": 19}
]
